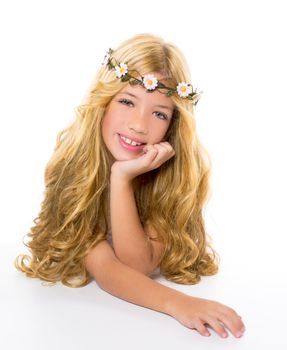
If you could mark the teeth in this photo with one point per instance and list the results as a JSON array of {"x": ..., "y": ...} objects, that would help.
[{"x": 130, "y": 142}]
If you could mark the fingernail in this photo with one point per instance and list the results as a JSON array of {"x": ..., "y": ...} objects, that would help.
[
  {"x": 238, "y": 334},
  {"x": 224, "y": 335}
]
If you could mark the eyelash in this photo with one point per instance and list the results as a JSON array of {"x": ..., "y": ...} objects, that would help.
[{"x": 124, "y": 100}]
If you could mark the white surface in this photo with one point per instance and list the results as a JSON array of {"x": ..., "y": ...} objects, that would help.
[
  {"x": 34, "y": 316},
  {"x": 237, "y": 56}
]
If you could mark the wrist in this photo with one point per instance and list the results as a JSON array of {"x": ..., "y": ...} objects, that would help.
[
  {"x": 119, "y": 178},
  {"x": 116, "y": 173},
  {"x": 175, "y": 302}
]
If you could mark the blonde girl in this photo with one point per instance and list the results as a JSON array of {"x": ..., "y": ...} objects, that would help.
[{"x": 125, "y": 190}]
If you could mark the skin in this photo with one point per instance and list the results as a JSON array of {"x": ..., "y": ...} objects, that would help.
[{"x": 138, "y": 117}]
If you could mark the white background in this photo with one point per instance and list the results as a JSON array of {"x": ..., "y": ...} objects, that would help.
[{"x": 50, "y": 51}]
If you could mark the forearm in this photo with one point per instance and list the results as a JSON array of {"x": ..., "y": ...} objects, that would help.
[
  {"x": 126, "y": 283},
  {"x": 130, "y": 241}
]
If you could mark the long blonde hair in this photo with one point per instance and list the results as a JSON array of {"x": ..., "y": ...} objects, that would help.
[{"x": 74, "y": 212}]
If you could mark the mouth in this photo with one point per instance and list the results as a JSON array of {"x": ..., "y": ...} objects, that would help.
[{"x": 129, "y": 144}]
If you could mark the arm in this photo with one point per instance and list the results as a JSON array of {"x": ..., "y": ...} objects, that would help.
[
  {"x": 126, "y": 283},
  {"x": 131, "y": 243}
]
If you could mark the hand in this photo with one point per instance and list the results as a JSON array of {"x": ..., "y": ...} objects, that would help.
[
  {"x": 153, "y": 156},
  {"x": 195, "y": 313}
]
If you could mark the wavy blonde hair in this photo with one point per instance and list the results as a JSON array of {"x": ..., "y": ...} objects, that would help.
[{"x": 74, "y": 212}]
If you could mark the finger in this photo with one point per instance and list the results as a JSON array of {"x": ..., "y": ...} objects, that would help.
[
  {"x": 215, "y": 324},
  {"x": 160, "y": 146},
  {"x": 165, "y": 146},
  {"x": 163, "y": 155},
  {"x": 166, "y": 143},
  {"x": 169, "y": 147},
  {"x": 150, "y": 153},
  {"x": 201, "y": 328},
  {"x": 166, "y": 153},
  {"x": 149, "y": 148},
  {"x": 158, "y": 154},
  {"x": 158, "y": 150},
  {"x": 234, "y": 323}
]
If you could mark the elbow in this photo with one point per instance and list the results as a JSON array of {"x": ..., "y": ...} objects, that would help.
[{"x": 143, "y": 264}]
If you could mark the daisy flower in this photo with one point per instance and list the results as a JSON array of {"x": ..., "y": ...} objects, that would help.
[
  {"x": 183, "y": 89},
  {"x": 121, "y": 70},
  {"x": 150, "y": 81}
]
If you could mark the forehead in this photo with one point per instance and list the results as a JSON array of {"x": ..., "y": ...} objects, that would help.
[{"x": 139, "y": 92}]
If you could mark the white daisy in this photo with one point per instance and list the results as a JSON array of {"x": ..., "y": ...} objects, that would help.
[
  {"x": 183, "y": 89},
  {"x": 121, "y": 70},
  {"x": 150, "y": 81}
]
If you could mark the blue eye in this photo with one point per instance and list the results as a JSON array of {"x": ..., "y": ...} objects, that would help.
[
  {"x": 126, "y": 102},
  {"x": 163, "y": 115}
]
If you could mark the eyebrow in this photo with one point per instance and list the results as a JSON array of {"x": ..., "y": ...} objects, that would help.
[{"x": 132, "y": 95}]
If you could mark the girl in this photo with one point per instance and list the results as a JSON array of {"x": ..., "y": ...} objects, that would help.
[{"x": 125, "y": 190}]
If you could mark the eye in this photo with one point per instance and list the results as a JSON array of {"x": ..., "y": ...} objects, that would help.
[
  {"x": 126, "y": 102},
  {"x": 161, "y": 114}
]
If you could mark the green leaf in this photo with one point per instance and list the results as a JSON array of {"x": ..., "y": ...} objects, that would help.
[
  {"x": 160, "y": 85},
  {"x": 135, "y": 82},
  {"x": 125, "y": 78},
  {"x": 169, "y": 93}
]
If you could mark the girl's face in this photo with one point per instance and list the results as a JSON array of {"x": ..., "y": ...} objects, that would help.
[{"x": 137, "y": 115}]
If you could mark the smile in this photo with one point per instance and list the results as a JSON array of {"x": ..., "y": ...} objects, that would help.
[{"x": 129, "y": 144}]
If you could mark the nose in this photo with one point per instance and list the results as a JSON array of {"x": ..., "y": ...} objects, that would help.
[{"x": 138, "y": 122}]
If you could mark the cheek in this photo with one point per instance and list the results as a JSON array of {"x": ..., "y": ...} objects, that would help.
[
  {"x": 111, "y": 119},
  {"x": 157, "y": 137},
  {"x": 161, "y": 134},
  {"x": 106, "y": 121},
  {"x": 105, "y": 129},
  {"x": 107, "y": 125},
  {"x": 166, "y": 131}
]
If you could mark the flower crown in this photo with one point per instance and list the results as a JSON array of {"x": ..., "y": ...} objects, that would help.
[{"x": 149, "y": 81}]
